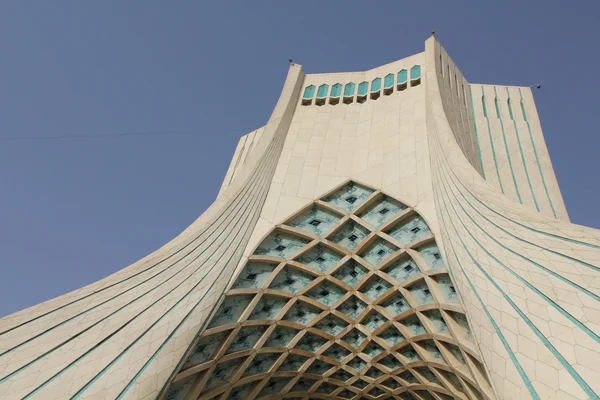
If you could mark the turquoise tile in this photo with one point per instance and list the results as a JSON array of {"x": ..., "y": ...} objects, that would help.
[
  {"x": 280, "y": 244},
  {"x": 246, "y": 338},
  {"x": 402, "y": 269},
  {"x": 375, "y": 287},
  {"x": 230, "y": 310},
  {"x": 205, "y": 349},
  {"x": 253, "y": 275},
  {"x": 349, "y": 197},
  {"x": 291, "y": 280},
  {"x": 354, "y": 338},
  {"x": 352, "y": 307},
  {"x": 326, "y": 292},
  {"x": 421, "y": 293},
  {"x": 410, "y": 230},
  {"x": 268, "y": 307},
  {"x": 382, "y": 211},
  {"x": 315, "y": 220},
  {"x": 377, "y": 251},
  {"x": 320, "y": 257},
  {"x": 350, "y": 235},
  {"x": 350, "y": 273},
  {"x": 432, "y": 255}
]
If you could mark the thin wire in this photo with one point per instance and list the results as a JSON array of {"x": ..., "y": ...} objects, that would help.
[{"x": 122, "y": 134}]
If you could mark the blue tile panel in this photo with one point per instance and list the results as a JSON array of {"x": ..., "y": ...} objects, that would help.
[
  {"x": 230, "y": 310},
  {"x": 432, "y": 255},
  {"x": 350, "y": 273},
  {"x": 326, "y": 292},
  {"x": 281, "y": 244},
  {"x": 349, "y": 197},
  {"x": 320, "y": 257},
  {"x": 410, "y": 230},
  {"x": 268, "y": 307},
  {"x": 378, "y": 251},
  {"x": 382, "y": 211},
  {"x": 316, "y": 220},
  {"x": 402, "y": 269},
  {"x": 352, "y": 307},
  {"x": 350, "y": 235},
  {"x": 291, "y": 280},
  {"x": 253, "y": 275},
  {"x": 246, "y": 338}
]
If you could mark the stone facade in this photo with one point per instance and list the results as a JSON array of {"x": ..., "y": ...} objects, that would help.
[{"x": 393, "y": 233}]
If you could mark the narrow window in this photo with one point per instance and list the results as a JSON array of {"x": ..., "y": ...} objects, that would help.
[
  {"x": 449, "y": 79},
  {"x": 441, "y": 65},
  {"x": 497, "y": 108}
]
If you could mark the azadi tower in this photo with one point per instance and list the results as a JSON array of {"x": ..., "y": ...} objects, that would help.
[{"x": 396, "y": 233}]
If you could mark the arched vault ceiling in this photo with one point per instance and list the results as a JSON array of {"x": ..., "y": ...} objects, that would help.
[{"x": 347, "y": 299}]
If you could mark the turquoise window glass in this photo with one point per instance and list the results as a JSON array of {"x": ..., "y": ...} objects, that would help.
[
  {"x": 415, "y": 72},
  {"x": 388, "y": 81},
  {"x": 309, "y": 92},
  {"x": 363, "y": 88},
  {"x": 376, "y": 85},
  {"x": 336, "y": 90},
  {"x": 323, "y": 89},
  {"x": 402, "y": 76},
  {"x": 349, "y": 89}
]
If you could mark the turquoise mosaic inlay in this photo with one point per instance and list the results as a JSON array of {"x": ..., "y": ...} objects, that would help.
[
  {"x": 350, "y": 273},
  {"x": 373, "y": 349},
  {"x": 246, "y": 338},
  {"x": 352, "y": 307},
  {"x": 410, "y": 230},
  {"x": 331, "y": 324},
  {"x": 378, "y": 251},
  {"x": 281, "y": 337},
  {"x": 336, "y": 351},
  {"x": 338, "y": 333},
  {"x": 281, "y": 245},
  {"x": 291, "y": 280},
  {"x": 268, "y": 307},
  {"x": 320, "y": 257},
  {"x": 205, "y": 349},
  {"x": 350, "y": 235},
  {"x": 310, "y": 342},
  {"x": 382, "y": 211},
  {"x": 432, "y": 255},
  {"x": 230, "y": 310},
  {"x": 326, "y": 292},
  {"x": 396, "y": 304},
  {"x": 375, "y": 287},
  {"x": 392, "y": 335},
  {"x": 447, "y": 288},
  {"x": 421, "y": 293},
  {"x": 402, "y": 269},
  {"x": 354, "y": 338},
  {"x": 414, "y": 325},
  {"x": 316, "y": 220},
  {"x": 373, "y": 321},
  {"x": 301, "y": 313},
  {"x": 349, "y": 197},
  {"x": 253, "y": 275},
  {"x": 261, "y": 363}
]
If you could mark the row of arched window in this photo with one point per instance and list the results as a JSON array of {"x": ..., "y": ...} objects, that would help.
[
  {"x": 510, "y": 109},
  {"x": 365, "y": 89}
]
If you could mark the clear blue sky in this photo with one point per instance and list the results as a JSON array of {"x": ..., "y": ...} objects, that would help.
[{"x": 75, "y": 210}]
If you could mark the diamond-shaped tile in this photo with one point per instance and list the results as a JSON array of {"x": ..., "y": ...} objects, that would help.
[
  {"x": 432, "y": 255},
  {"x": 392, "y": 335},
  {"x": 326, "y": 387},
  {"x": 357, "y": 363},
  {"x": 382, "y": 210},
  {"x": 396, "y": 304},
  {"x": 373, "y": 349},
  {"x": 320, "y": 257},
  {"x": 447, "y": 288},
  {"x": 230, "y": 310},
  {"x": 375, "y": 287},
  {"x": 336, "y": 351},
  {"x": 392, "y": 384},
  {"x": 268, "y": 307},
  {"x": 354, "y": 338},
  {"x": 315, "y": 220},
  {"x": 293, "y": 362},
  {"x": 319, "y": 367},
  {"x": 408, "y": 377},
  {"x": 414, "y": 324},
  {"x": 302, "y": 313},
  {"x": 431, "y": 348},
  {"x": 281, "y": 337},
  {"x": 326, "y": 292},
  {"x": 253, "y": 275},
  {"x": 409, "y": 353},
  {"x": 246, "y": 338},
  {"x": 350, "y": 273},
  {"x": 331, "y": 325},
  {"x": 410, "y": 230},
  {"x": 374, "y": 372},
  {"x": 281, "y": 244},
  {"x": 437, "y": 320},
  {"x": 377, "y": 251},
  {"x": 291, "y": 280},
  {"x": 349, "y": 196},
  {"x": 274, "y": 385},
  {"x": 352, "y": 307},
  {"x": 421, "y": 292},
  {"x": 376, "y": 392},
  {"x": 341, "y": 375},
  {"x": 350, "y": 235},
  {"x": 310, "y": 342},
  {"x": 303, "y": 385},
  {"x": 402, "y": 269},
  {"x": 261, "y": 363},
  {"x": 373, "y": 321},
  {"x": 205, "y": 349}
]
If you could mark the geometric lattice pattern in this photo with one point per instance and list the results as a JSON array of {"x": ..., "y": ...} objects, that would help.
[{"x": 349, "y": 299}]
